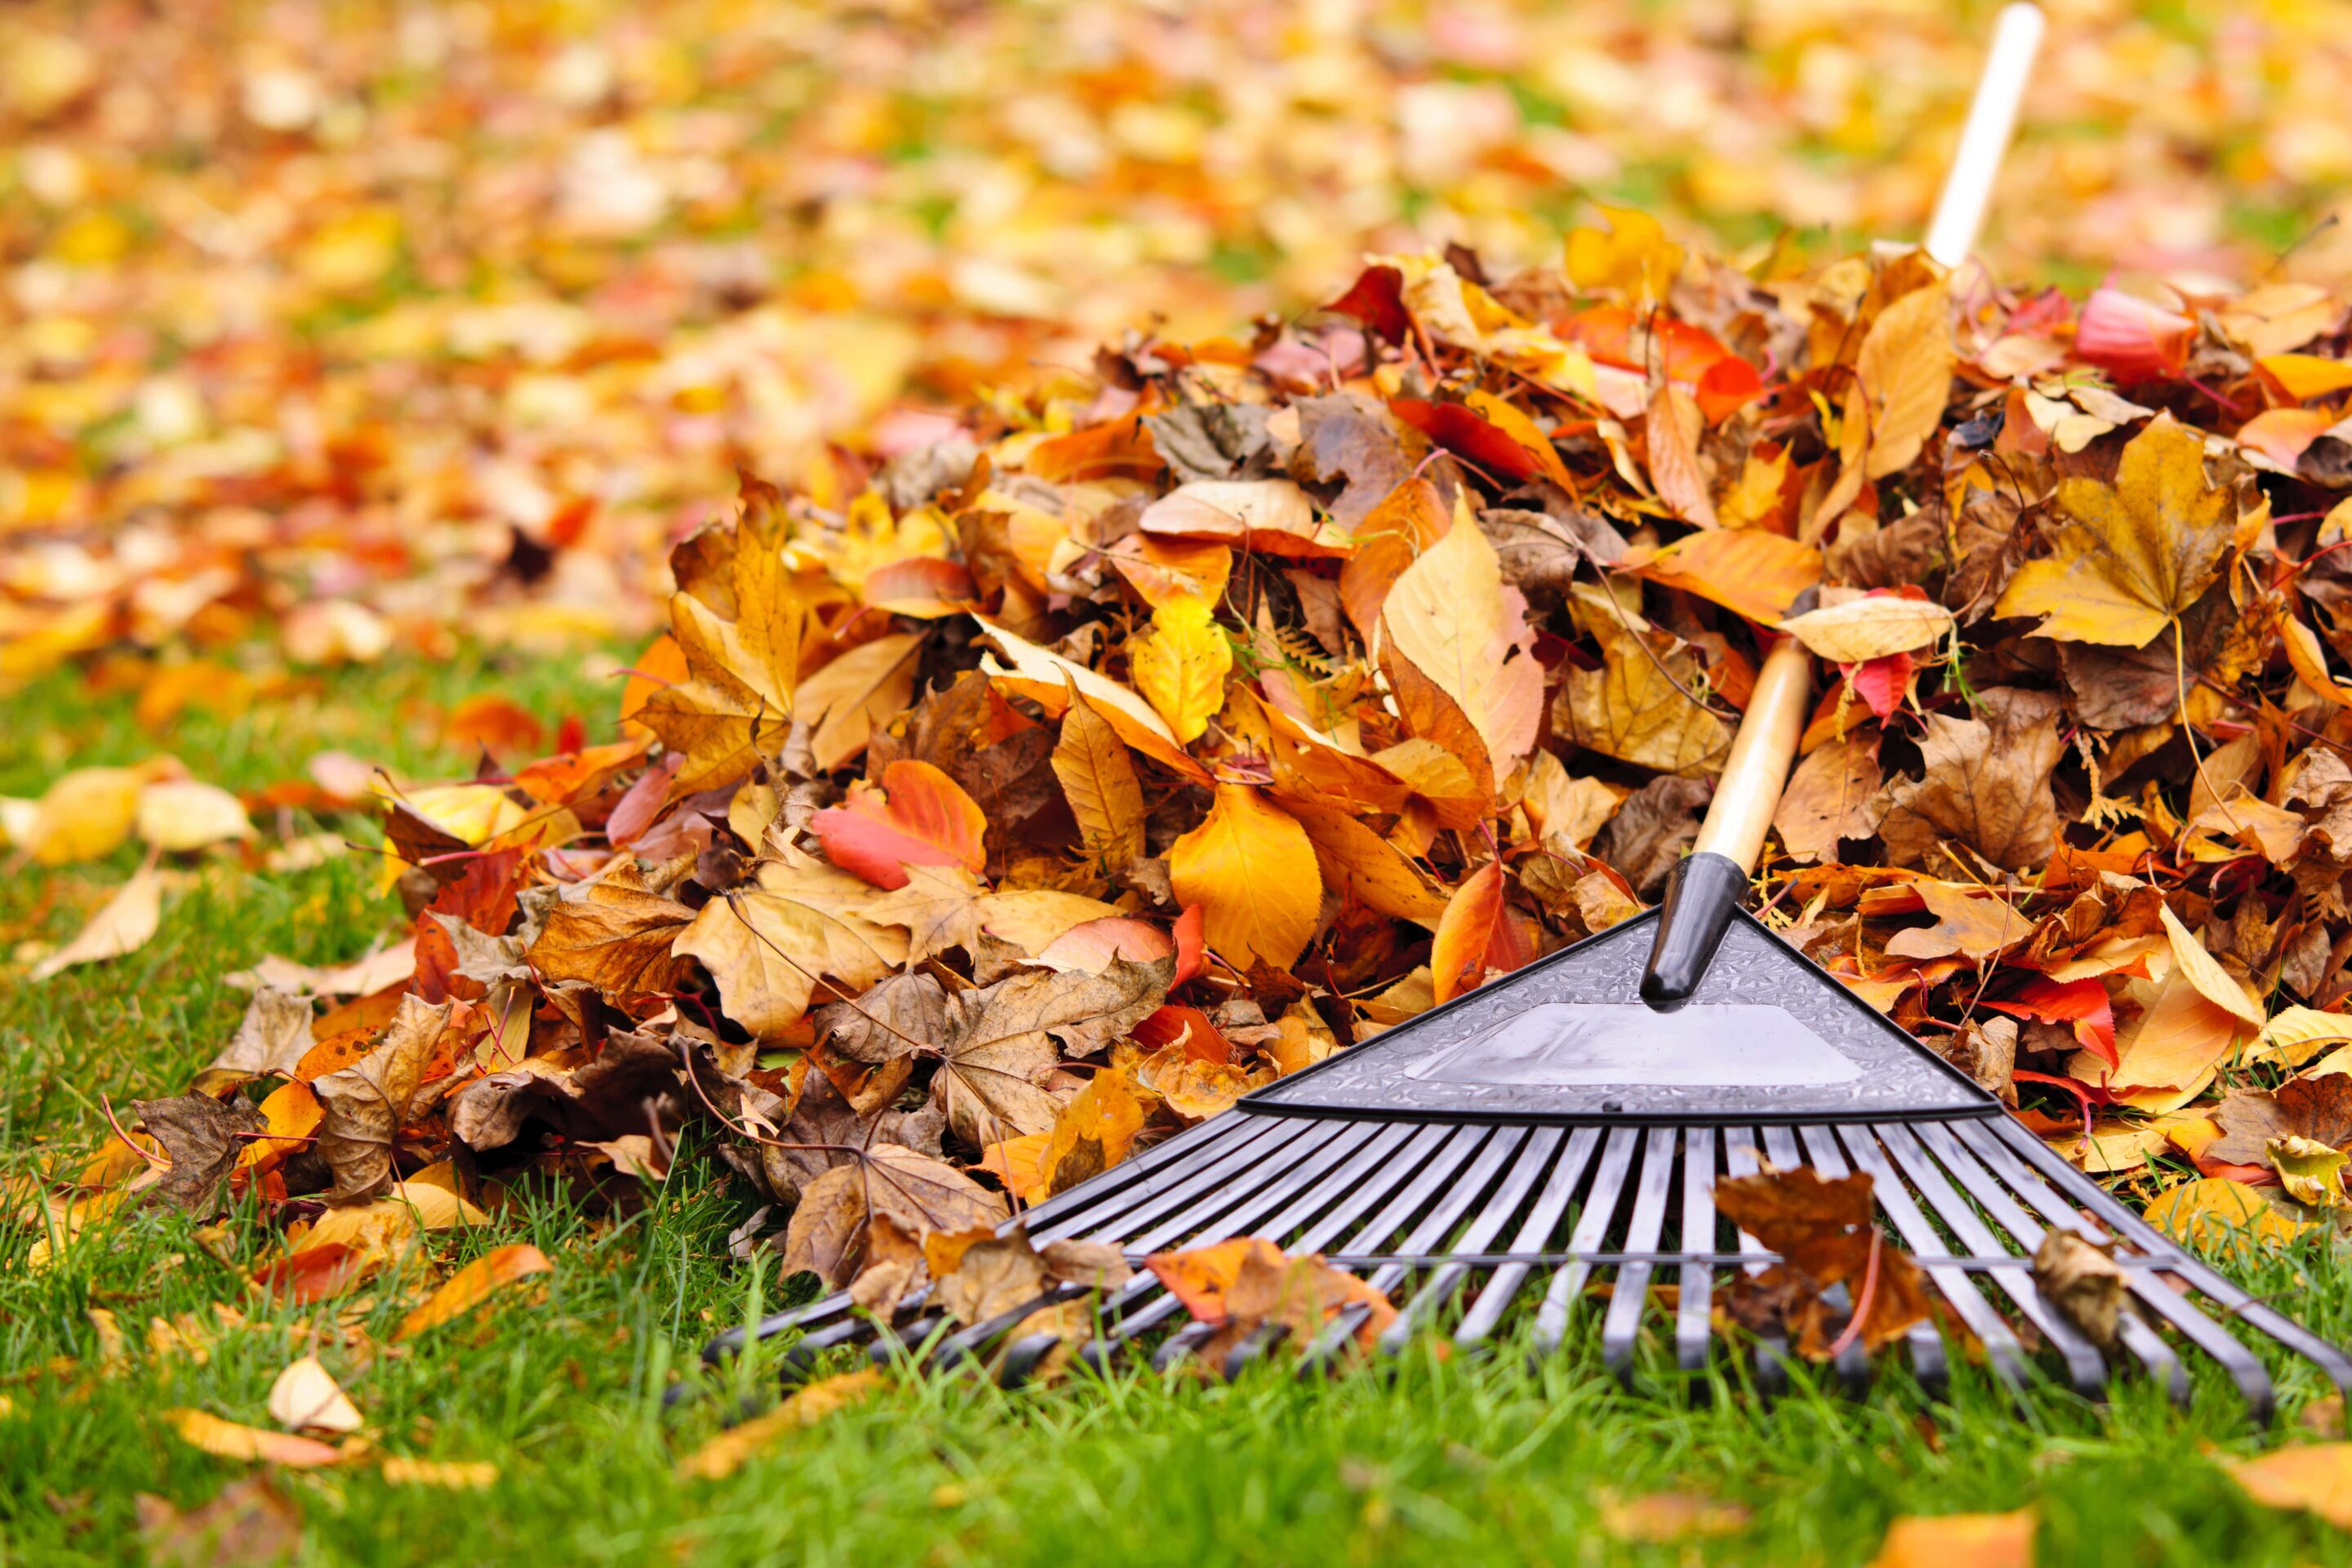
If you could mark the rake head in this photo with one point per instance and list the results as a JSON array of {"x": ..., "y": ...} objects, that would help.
[{"x": 1509, "y": 1152}]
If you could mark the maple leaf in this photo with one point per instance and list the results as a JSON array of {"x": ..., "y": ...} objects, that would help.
[
  {"x": 919, "y": 1195},
  {"x": 1637, "y": 707},
  {"x": 2132, "y": 556},
  {"x": 1826, "y": 1233},
  {"x": 367, "y": 1104},
  {"x": 1986, "y": 785},
  {"x": 1003, "y": 1041},
  {"x": 768, "y": 944},
  {"x": 613, "y": 933}
]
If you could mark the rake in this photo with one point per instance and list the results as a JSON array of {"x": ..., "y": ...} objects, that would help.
[{"x": 1563, "y": 1128}]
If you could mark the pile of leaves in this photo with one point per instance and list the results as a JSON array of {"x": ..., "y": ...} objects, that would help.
[
  {"x": 356, "y": 328},
  {"x": 1057, "y": 788}
]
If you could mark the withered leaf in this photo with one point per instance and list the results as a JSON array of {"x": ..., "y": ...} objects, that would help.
[
  {"x": 199, "y": 1135},
  {"x": 1987, "y": 785},
  {"x": 613, "y": 933},
  {"x": 827, "y": 1236},
  {"x": 769, "y": 942},
  {"x": 1826, "y": 1233},
  {"x": 1833, "y": 795},
  {"x": 365, "y": 1105},
  {"x": 2319, "y": 1107},
  {"x": 1000, "y": 1041}
]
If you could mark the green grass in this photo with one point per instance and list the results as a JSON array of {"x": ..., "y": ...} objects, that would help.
[{"x": 562, "y": 1385}]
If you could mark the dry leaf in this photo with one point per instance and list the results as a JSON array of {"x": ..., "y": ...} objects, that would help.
[
  {"x": 123, "y": 924},
  {"x": 727, "y": 1453},
  {"x": 306, "y": 1397},
  {"x": 1252, "y": 869},
  {"x": 1451, "y": 616},
  {"x": 1180, "y": 665},
  {"x": 473, "y": 1284},
  {"x": 1958, "y": 1541},
  {"x": 230, "y": 1441}
]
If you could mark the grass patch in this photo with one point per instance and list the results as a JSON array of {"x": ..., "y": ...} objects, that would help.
[{"x": 561, "y": 1382}]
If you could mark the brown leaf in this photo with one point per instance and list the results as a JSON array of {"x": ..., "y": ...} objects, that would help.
[
  {"x": 904, "y": 1014},
  {"x": 270, "y": 1042},
  {"x": 990, "y": 1276},
  {"x": 246, "y": 1524},
  {"x": 769, "y": 942},
  {"x": 1098, "y": 779},
  {"x": 2082, "y": 1279},
  {"x": 1653, "y": 829},
  {"x": 614, "y": 933},
  {"x": 1826, "y": 1233},
  {"x": 828, "y": 1233},
  {"x": 365, "y": 1105},
  {"x": 1987, "y": 785},
  {"x": 1637, "y": 707},
  {"x": 2319, "y": 1107},
  {"x": 1000, "y": 1041},
  {"x": 1833, "y": 795},
  {"x": 231, "y": 1441},
  {"x": 199, "y": 1135}
]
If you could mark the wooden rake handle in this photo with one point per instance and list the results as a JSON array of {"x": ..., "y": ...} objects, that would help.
[{"x": 1708, "y": 885}]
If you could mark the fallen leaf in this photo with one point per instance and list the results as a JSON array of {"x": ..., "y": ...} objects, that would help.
[
  {"x": 1476, "y": 934},
  {"x": 919, "y": 1195},
  {"x": 1870, "y": 627},
  {"x": 204, "y": 1430},
  {"x": 728, "y": 1452},
  {"x": 1252, "y": 869},
  {"x": 1098, "y": 780},
  {"x": 123, "y": 924},
  {"x": 246, "y": 1524},
  {"x": 1749, "y": 571},
  {"x": 2130, "y": 557},
  {"x": 1639, "y": 707},
  {"x": 2315, "y": 1478},
  {"x": 1986, "y": 785},
  {"x": 1663, "y": 1519},
  {"x": 1905, "y": 372},
  {"x": 2081, "y": 1278},
  {"x": 1833, "y": 795},
  {"x": 1002, "y": 1040},
  {"x": 450, "y": 1475},
  {"x": 1826, "y": 1233},
  {"x": 1958, "y": 1541},
  {"x": 306, "y": 1397},
  {"x": 919, "y": 816},
  {"x": 1451, "y": 616},
  {"x": 769, "y": 943},
  {"x": 1181, "y": 663},
  {"x": 471, "y": 1286}
]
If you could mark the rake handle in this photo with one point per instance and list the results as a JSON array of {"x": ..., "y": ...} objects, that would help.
[{"x": 1709, "y": 882}]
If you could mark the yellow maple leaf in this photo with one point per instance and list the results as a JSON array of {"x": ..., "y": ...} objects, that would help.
[
  {"x": 1180, "y": 665},
  {"x": 2132, "y": 555}
]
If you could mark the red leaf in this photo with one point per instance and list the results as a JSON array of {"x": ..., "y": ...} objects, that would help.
[
  {"x": 1475, "y": 935},
  {"x": 1468, "y": 436},
  {"x": 919, "y": 817},
  {"x": 1377, "y": 299},
  {"x": 1169, "y": 1025},
  {"x": 1881, "y": 682},
  {"x": 2082, "y": 1002},
  {"x": 1192, "y": 943}
]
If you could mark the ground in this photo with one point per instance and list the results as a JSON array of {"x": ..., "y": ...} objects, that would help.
[{"x": 1499, "y": 1460}]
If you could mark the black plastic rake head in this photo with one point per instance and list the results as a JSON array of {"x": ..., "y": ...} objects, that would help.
[{"x": 1506, "y": 1154}]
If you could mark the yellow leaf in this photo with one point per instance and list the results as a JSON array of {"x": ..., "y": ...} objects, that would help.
[
  {"x": 1251, "y": 869},
  {"x": 2309, "y": 376},
  {"x": 766, "y": 942},
  {"x": 230, "y": 1441},
  {"x": 1958, "y": 1541},
  {"x": 1633, "y": 255},
  {"x": 1868, "y": 628},
  {"x": 474, "y": 1284},
  {"x": 2296, "y": 1035},
  {"x": 2202, "y": 971},
  {"x": 2132, "y": 555},
  {"x": 177, "y": 814},
  {"x": 1180, "y": 666},
  {"x": 1098, "y": 780},
  {"x": 450, "y": 1475},
  {"x": 1047, "y": 677},
  {"x": 725, "y": 1454},
  {"x": 869, "y": 685},
  {"x": 2316, "y": 1477},
  {"x": 1904, "y": 369},
  {"x": 2171, "y": 1055},
  {"x": 85, "y": 814},
  {"x": 1673, "y": 429},
  {"x": 1449, "y": 616},
  {"x": 1635, "y": 708},
  {"x": 2213, "y": 1212},
  {"x": 122, "y": 924}
]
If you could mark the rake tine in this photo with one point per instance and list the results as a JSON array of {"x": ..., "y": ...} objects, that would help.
[
  {"x": 1465, "y": 1164},
  {"x": 2245, "y": 1370},
  {"x": 1530, "y": 1163},
  {"x": 1207, "y": 1141},
  {"x": 2146, "y": 1345},
  {"x": 1740, "y": 1155},
  {"x": 732, "y": 1341},
  {"x": 1986, "y": 1188},
  {"x": 1693, "y": 1330},
  {"x": 1181, "y": 1344},
  {"x": 1622, "y": 1322},
  {"x": 1486, "y": 1313},
  {"x": 2085, "y": 1368},
  {"x": 1259, "y": 1156},
  {"x": 1402, "y": 1147},
  {"x": 1852, "y": 1362},
  {"x": 2234, "y": 1301},
  {"x": 1927, "y": 1345},
  {"x": 1591, "y": 1227}
]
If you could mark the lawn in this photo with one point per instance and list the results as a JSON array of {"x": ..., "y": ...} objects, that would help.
[{"x": 563, "y": 1387}]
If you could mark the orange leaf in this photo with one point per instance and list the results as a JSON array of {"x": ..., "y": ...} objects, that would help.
[
  {"x": 231, "y": 1441},
  {"x": 1474, "y": 934},
  {"x": 2282, "y": 433},
  {"x": 1756, "y": 574},
  {"x": 919, "y": 818},
  {"x": 474, "y": 1284},
  {"x": 1200, "y": 1276},
  {"x": 1959, "y": 1541}
]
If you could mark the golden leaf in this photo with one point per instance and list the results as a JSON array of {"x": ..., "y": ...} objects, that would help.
[
  {"x": 1632, "y": 709},
  {"x": 1450, "y": 616},
  {"x": 1180, "y": 666},
  {"x": 1098, "y": 780},
  {"x": 1251, "y": 869},
  {"x": 2132, "y": 555},
  {"x": 766, "y": 944},
  {"x": 1904, "y": 369}
]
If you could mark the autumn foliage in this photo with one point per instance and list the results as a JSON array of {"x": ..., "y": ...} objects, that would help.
[{"x": 1054, "y": 785}]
